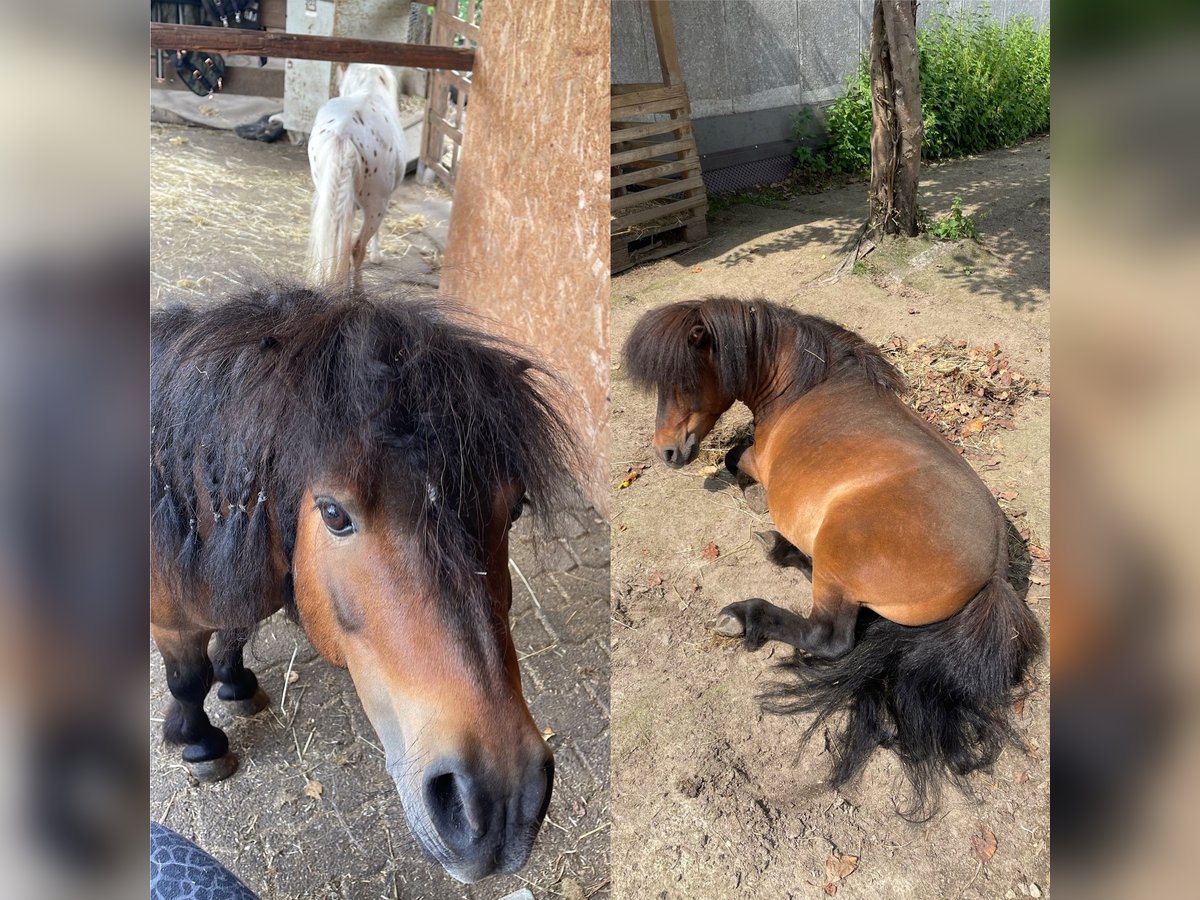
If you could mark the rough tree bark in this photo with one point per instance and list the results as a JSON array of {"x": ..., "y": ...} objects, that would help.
[{"x": 897, "y": 132}]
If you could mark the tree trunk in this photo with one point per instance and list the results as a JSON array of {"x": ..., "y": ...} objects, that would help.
[{"x": 896, "y": 106}]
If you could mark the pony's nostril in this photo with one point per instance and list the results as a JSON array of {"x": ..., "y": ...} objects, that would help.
[
  {"x": 455, "y": 807},
  {"x": 535, "y": 794},
  {"x": 668, "y": 455}
]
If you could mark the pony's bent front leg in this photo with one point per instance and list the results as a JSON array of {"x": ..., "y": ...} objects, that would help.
[
  {"x": 740, "y": 461},
  {"x": 827, "y": 632},
  {"x": 784, "y": 553},
  {"x": 189, "y": 677},
  {"x": 239, "y": 686}
]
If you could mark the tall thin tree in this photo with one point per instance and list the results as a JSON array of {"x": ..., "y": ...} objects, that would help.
[{"x": 897, "y": 131}]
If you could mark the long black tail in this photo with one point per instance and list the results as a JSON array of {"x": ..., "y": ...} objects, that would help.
[{"x": 939, "y": 695}]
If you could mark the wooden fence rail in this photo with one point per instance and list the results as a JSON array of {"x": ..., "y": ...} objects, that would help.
[{"x": 164, "y": 36}]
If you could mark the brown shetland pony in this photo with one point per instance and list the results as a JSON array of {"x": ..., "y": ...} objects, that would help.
[
  {"x": 878, "y": 509},
  {"x": 358, "y": 461}
]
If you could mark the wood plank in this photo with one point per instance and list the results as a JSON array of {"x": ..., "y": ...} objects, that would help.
[
  {"x": 651, "y": 150},
  {"x": 655, "y": 212},
  {"x": 675, "y": 187},
  {"x": 445, "y": 130},
  {"x": 165, "y": 36},
  {"x": 648, "y": 231},
  {"x": 455, "y": 25},
  {"x": 655, "y": 171},
  {"x": 663, "y": 126},
  {"x": 656, "y": 251},
  {"x": 663, "y": 92},
  {"x": 636, "y": 86},
  {"x": 671, "y": 104}
]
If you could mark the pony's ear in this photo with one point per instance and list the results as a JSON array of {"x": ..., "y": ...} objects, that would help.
[{"x": 698, "y": 337}]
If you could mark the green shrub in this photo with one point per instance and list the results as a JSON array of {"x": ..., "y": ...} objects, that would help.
[
  {"x": 983, "y": 85},
  {"x": 953, "y": 226}
]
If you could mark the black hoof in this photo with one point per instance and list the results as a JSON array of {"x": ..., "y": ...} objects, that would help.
[
  {"x": 249, "y": 706},
  {"x": 729, "y": 625},
  {"x": 211, "y": 770},
  {"x": 742, "y": 620}
]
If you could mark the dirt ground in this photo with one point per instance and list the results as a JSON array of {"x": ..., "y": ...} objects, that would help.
[
  {"x": 712, "y": 798},
  {"x": 223, "y": 208}
]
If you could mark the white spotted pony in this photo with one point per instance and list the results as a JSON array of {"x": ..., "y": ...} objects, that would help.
[{"x": 357, "y": 155}]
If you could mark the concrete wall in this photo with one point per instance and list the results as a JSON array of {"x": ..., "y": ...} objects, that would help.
[
  {"x": 751, "y": 64},
  {"x": 309, "y": 83}
]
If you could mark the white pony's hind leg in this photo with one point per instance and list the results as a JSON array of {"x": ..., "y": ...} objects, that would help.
[{"x": 373, "y": 213}]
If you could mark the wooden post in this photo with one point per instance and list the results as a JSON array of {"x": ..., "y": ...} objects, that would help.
[
  {"x": 664, "y": 40},
  {"x": 528, "y": 236}
]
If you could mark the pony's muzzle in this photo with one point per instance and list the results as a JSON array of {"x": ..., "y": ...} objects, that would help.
[
  {"x": 676, "y": 455},
  {"x": 486, "y": 824}
]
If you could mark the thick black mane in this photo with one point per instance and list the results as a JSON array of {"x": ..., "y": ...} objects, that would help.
[
  {"x": 748, "y": 336},
  {"x": 254, "y": 396}
]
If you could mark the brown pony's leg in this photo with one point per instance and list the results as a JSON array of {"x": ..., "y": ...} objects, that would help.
[
  {"x": 827, "y": 632},
  {"x": 189, "y": 677},
  {"x": 740, "y": 461},
  {"x": 741, "y": 464},
  {"x": 239, "y": 686},
  {"x": 784, "y": 553}
]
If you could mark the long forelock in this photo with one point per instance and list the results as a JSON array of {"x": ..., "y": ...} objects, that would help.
[
  {"x": 281, "y": 384},
  {"x": 747, "y": 335}
]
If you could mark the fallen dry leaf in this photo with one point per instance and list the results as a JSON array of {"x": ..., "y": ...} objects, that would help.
[
  {"x": 548, "y": 733},
  {"x": 837, "y": 867},
  {"x": 655, "y": 579},
  {"x": 697, "y": 269},
  {"x": 1039, "y": 553},
  {"x": 1021, "y": 777},
  {"x": 984, "y": 844},
  {"x": 314, "y": 789},
  {"x": 1037, "y": 579},
  {"x": 711, "y": 551}
]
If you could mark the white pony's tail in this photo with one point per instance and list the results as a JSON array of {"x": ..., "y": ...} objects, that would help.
[{"x": 335, "y": 165}]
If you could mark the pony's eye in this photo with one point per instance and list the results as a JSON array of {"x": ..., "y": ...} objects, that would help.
[
  {"x": 518, "y": 508},
  {"x": 335, "y": 518}
]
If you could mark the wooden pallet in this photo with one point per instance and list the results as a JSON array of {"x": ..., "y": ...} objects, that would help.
[{"x": 658, "y": 201}]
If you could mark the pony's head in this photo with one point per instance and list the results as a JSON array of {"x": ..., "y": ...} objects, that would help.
[
  {"x": 672, "y": 349},
  {"x": 702, "y": 355},
  {"x": 394, "y": 448},
  {"x": 369, "y": 78}
]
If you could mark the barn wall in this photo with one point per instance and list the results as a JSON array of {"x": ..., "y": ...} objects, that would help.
[
  {"x": 750, "y": 66},
  {"x": 528, "y": 242}
]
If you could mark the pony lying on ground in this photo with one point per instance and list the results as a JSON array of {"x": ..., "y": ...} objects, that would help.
[
  {"x": 357, "y": 155},
  {"x": 878, "y": 509},
  {"x": 358, "y": 460}
]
